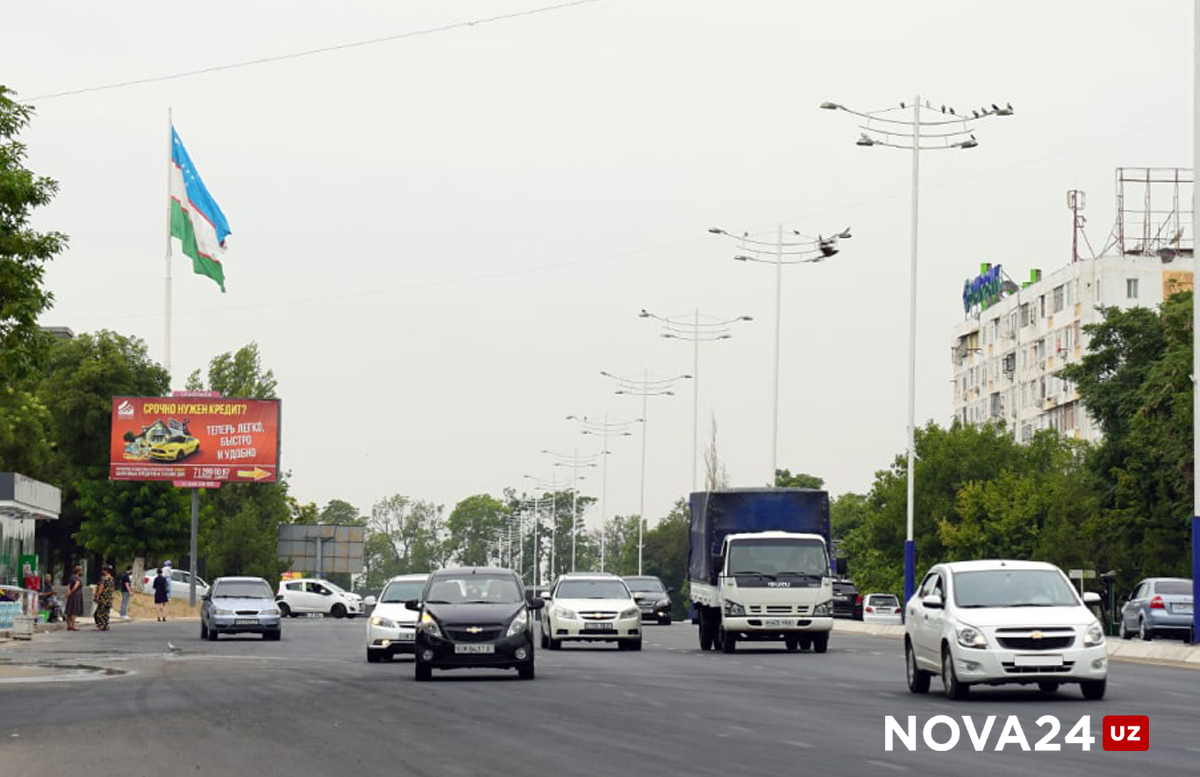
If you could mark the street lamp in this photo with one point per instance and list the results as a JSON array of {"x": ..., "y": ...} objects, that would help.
[
  {"x": 803, "y": 250},
  {"x": 695, "y": 331},
  {"x": 604, "y": 429},
  {"x": 644, "y": 388},
  {"x": 946, "y": 129},
  {"x": 541, "y": 483},
  {"x": 574, "y": 462}
]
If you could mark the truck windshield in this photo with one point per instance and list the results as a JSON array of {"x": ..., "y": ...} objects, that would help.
[{"x": 776, "y": 557}]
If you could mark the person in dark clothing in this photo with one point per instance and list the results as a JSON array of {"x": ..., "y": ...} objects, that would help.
[
  {"x": 103, "y": 599},
  {"x": 161, "y": 594},
  {"x": 126, "y": 589},
  {"x": 74, "y": 598}
]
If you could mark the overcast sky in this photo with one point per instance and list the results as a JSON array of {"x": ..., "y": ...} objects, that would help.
[{"x": 440, "y": 240}]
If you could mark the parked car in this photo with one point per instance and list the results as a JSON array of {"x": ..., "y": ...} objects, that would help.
[
  {"x": 652, "y": 597},
  {"x": 392, "y": 627},
  {"x": 180, "y": 582},
  {"x": 995, "y": 622},
  {"x": 240, "y": 605},
  {"x": 314, "y": 595},
  {"x": 882, "y": 608},
  {"x": 591, "y": 607},
  {"x": 1158, "y": 606},
  {"x": 474, "y": 617},
  {"x": 847, "y": 603}
]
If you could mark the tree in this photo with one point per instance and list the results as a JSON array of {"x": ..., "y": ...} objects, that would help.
[
  {"x": 403, "y": 535},
  {"x": 621, "y": 544},
  {"x": 341, "y": 513},
  {"x": 665, "y": 552},
  {"x": 474, "y": 526},
  {"x": 237, "y": 374},
  {"x": 715, "y": 475},
  {"x": 785, "y": 479},
  {"x": 24, "y": 252}
]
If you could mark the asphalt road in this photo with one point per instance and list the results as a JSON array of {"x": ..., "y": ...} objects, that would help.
[{"x": 311, "y": 705}]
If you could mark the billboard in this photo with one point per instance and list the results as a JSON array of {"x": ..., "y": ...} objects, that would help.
[
  {"x": 195, "y": 441},
  {"x": 323, "y": 549}
]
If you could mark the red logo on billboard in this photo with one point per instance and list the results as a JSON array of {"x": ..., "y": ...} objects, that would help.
[{"x": 1126, "y": 732}]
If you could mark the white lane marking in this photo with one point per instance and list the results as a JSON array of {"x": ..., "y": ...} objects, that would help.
[
  {"x": 887, "y": 765},
  {"x": 797, "y": 744},
  {"x": 1177, "y": 693},
  {"x": 740, "y": 729}
]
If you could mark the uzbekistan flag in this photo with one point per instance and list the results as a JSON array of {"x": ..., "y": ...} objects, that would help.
[{"x": 196, "y": 219}]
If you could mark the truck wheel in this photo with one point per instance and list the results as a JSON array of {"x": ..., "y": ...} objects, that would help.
[
  {"x": 792, "y": 644},
  {"x": 706, "y": 642},
  {"x": 805, "y": 643},
  {"x": 728, "y": 641},
  {"x": 821, "y": 642}
]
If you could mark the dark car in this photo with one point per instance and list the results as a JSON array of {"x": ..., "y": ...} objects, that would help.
[
  {"x": 652, "y": 597},
  {"x": 240, "y": 605},
  {"x": 474, "y": 617},
  {"x": 847, "y": 601}
]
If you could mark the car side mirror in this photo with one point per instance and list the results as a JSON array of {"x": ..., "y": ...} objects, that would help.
[
  {"x": 545, "y": 595},
  {"x": 536, "y": 603},
  {"x": 413, "y": 604},
  {"x": 670, "y": 590},
  {"x": 839, "y": 566},
  {"x": 370, "y": 600},
  {"x": 1091, "y": 597},
  {"x": 206, "y": 598},
  {"x": 637, "y": 597},
  {"x": 933, "y": 602}
]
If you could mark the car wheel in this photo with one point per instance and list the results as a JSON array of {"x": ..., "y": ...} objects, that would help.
[
  {"x": 284, "y": 610},
  {"x": 338, "y": 611},
  {"x": 212, "y": 635},
  {"x": 664, "y": 621},
  {"x": 918, "y": 679},
  {"x": 728, "y": 641},
  {"x": 203, "y": 630},
  {"x": 276, "y": 635},
  {"x": 1093, "y": 690},
  {"x": 1143, "y": 632},
  {"x": 545, "y": 641},
  {"x": 525, "y": 670},
  {"x": 373, "y": 657},
  {"x": 821, "y": 642},
  {"x": 553, "y": 644},
  {"x": 351, "y": 615},
  {"x": 421, "y": 672},
  {"x": 1125, "y": 634},
  {"x": 954, "y": 689},
  {"x": 791, "y": 644},
  {"x": 635, "y": 644}
]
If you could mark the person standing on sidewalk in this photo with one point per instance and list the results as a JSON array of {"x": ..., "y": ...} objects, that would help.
[
  {"x": 161, "y": 594},
  {"x": 74, "y": 599},
  {"x": 103, "y": 599},
  {"x": 126, "y": 592}
]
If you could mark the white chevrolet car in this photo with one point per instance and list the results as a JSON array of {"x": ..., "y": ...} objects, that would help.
[
  {"x": 591, "y": 607},
  {"x": 391, "y": 628},
  {"x": 999, "y": 622},
  {"x": 314, "y": 595}
]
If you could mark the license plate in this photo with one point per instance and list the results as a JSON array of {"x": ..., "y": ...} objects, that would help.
[
  {"x": 597, "y": 627},
  {"x": 405, "y": 636},
  {"x": 1181, "y": 607},
  {"x": 246, "y": 622},
  {"x": 841, "y": 597},
  {"x": 779, "y": 623},
  {"x": 484, "y": 648},
  {"x": 1037, "y": 660}
]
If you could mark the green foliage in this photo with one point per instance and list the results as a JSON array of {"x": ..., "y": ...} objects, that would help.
[
  {"x": 621, "y": 545},
  {"x": 238, "y": 375},
  {"x": 240, "y": 529},
  {"x": 475, "y": 525},
  {"x": 341, "y": 513},
  {"x": 403, "y": 535},
  {"x": 25, "y": 432},
  {"x": 785, "y": 479},
  {"x": 24, "y": 252},
  {"x": 665, "y": 553},
  {"x": 128, "y": 519}
]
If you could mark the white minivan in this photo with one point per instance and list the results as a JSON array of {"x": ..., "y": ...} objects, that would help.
[{"x": 997, "y": 622}]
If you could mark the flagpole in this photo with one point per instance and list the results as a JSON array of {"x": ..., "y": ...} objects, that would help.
[{"x": 167, "y": 279}]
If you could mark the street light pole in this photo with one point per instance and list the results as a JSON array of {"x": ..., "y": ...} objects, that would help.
[
  {"x": 797, "y": 252},
  {"x": 621, "y": 429},
  {"x": 952, "y": 130},
  {"x": 642, "y": 500}
]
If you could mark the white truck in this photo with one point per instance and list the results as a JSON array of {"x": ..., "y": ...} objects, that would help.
[{"x": 758, "y": 567}]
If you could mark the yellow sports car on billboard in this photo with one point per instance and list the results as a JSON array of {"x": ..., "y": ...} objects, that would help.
[{"x": 174, "y": 448}]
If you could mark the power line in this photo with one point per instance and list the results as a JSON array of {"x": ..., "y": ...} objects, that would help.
[{"x": 312, "y": 52}]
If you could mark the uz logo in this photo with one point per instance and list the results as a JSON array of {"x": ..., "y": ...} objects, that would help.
[{"x": 1126, "y": 732}]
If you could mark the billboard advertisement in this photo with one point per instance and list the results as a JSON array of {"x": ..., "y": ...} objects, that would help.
[{"x": 195, "y": 441}]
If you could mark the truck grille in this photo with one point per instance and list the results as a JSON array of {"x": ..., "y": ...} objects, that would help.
[{"x": 777, "y": 609}]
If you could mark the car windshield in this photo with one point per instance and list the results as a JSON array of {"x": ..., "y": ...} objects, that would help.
[
  {"x": 1173, "y": 587},
  {"x": 591, "y": 589},
  {"x": 651, "y": 585},
  {"x": 773, "y": 557},
  {"x": 1013, "y": 588},
  {"x": 244, "y": 589},
  {"x": 402, "y": 590},
  {"x": 884, "y": 601},
  {"x": 478, "y": 589},
  {"x": 334, "y": 587}
]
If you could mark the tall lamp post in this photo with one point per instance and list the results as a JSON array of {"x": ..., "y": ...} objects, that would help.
[
  {"x": 644, "y": 388},
  {"x": 604, "y": 429},
  {"x": 695, "y": 330},
  {"x": 799, "y": 249},
  {"x": 946, "y": 128},
  {"x": 574, "y": 461},
  {"x": 543, "y": 484}
]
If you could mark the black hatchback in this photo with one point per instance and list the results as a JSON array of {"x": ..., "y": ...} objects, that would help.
[{"x": 474, "y": 617}]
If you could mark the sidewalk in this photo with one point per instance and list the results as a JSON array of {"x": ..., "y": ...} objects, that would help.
[
  {"x": 1158, "y": 651},
  {"x": 141, "y": 608}
]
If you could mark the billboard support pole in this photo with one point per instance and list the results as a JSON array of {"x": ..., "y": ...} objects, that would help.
[{"x": 195, "y": 566}]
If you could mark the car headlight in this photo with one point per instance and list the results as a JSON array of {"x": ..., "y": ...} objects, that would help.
[
  {"x": 631, "y": 612},
  {"x": 272, "y": 611},
  {"x": 519, "y": 623},
  {"x": 563, "y": 612},
  {"x": 733, "y": 609},
  {"x": 824, "y": 608},
  {"x": 429, "y": 625},
  {"x": 969, "y": 636},
  {"x": 219, "y": 611},
  {"x": 379, "y": 620},
  {"x": 1093, "y": 636}
]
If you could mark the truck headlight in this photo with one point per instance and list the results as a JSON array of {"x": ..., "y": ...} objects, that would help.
[
  {"x": 734, "y": 610},
  {"x": 379, "y": 620},
  {"x": 518, "y": 624},
  {"x": 429, "y": 625},
  {"x": 969, "y": 636},
  {"x": 1093, "y": 636},
  {"x": 824, "y": 608}
]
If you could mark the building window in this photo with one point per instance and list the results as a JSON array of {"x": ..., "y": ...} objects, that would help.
[
  {"x": 1058, "y": 298},
  {"x": 1068, "y": 416},
  {"x": 1025, "y": 314},
  {"x": 1131, "y": 289}
]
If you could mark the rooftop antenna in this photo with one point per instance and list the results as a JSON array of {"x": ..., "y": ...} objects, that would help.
[{"x": 1075, "y": 201}]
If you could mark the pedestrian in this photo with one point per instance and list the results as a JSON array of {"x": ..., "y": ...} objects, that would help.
[
  {"x": 161, "y": 594},
  {"x": 126, "y": 591},
  {"x": 103, "y": 599},
  {"x": 74, "y": 598}
]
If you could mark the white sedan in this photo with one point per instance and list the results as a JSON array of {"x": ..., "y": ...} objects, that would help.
[
  {"x": 391, "y": 628},
  {"x": 883, "y": 609},
  {"x": 595, "y": 607}
]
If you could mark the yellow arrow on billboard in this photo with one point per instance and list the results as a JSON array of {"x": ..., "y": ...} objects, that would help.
[{"x": 258, "y": 473}]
